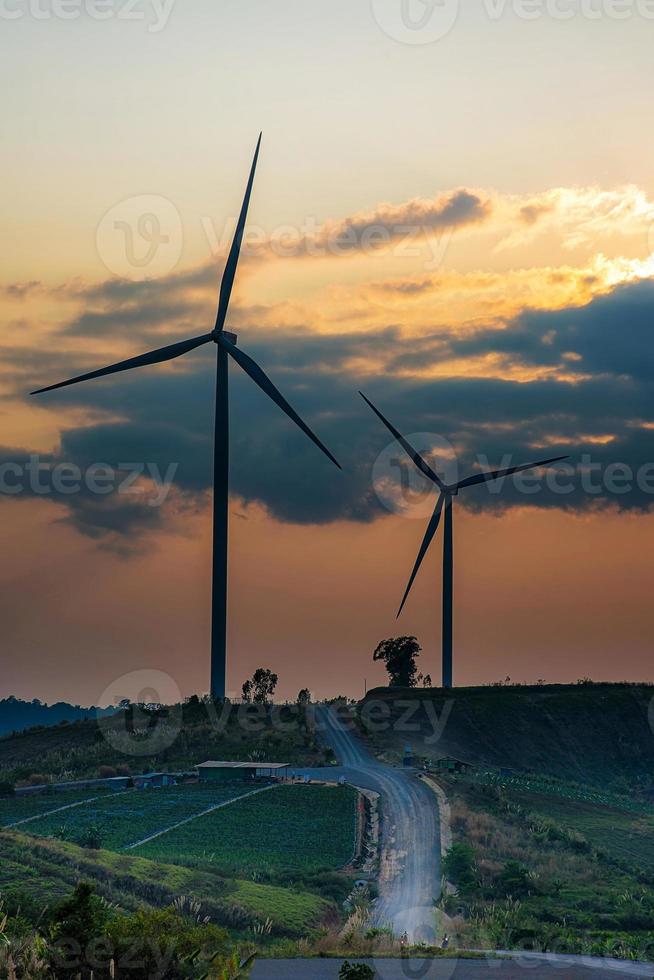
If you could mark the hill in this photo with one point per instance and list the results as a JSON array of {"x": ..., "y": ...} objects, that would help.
[
  {"x": 17, "y": 715},
  {"x": 596, "y": 734},
  {"x": 35, "y": 872},
  {"x": 172, "y": 738}
]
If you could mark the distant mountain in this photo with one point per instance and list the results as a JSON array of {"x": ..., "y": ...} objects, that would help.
[{"x": 17, "y": 715}]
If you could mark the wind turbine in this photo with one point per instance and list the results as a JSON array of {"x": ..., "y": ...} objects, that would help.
[
  {"x": 225, "y": 348},
  {"x": 444, "y": 502}
]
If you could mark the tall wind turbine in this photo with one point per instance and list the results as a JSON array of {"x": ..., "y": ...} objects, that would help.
[
  {"x": 225, "y": 348},
  {"x": 445, "y": 501}
]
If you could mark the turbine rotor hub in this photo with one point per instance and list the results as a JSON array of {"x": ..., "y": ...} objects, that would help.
[{"x": 231, "y": 337}]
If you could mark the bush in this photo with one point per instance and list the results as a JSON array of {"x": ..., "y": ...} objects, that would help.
[
  {"x": 163, "y": 937},
  {"x": 515, "y": 879},
  {"x": 460, "y": 866},
  {"x": 356, "y": 971},
  {"x": 7, "y": 788}
]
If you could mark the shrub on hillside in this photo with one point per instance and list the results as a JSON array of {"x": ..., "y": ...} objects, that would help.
[
  {"x": 356, "y": 971},
  {"x": 514, "y": 879},
  {"x": 460, "y": 866}
]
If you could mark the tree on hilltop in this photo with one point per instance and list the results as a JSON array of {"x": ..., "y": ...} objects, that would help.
[{"x": 399, "y": 655}]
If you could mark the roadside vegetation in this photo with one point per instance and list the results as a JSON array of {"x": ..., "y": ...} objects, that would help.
[{"x": 536, "y": 872}]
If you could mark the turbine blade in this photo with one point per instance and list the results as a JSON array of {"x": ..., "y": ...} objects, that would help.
[
  {"x": 490, "y": 475},
  {"x": 421, "y": 463},
  {"x": 153, "y": 357},
  {"x": 261, "y": 379},
  {"x": 232, "y": 261},
  {"x": 432, "y": 527}
]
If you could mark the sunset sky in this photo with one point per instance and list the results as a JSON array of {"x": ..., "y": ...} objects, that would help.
[{"x": 460, "y": 226}]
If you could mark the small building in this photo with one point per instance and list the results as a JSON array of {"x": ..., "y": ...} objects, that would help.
[
  {"x": 230, "y": 772},
  {"x": 153, "y": 780},
  {"x": 449, "y": 764}
]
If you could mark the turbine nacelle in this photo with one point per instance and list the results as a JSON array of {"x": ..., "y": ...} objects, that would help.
[
  {"x": 447, "y": 492},
  {"x": 231, "y": 337}
]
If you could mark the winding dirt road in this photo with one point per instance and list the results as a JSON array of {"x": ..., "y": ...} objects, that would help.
[{"x": 410, "y": 862}]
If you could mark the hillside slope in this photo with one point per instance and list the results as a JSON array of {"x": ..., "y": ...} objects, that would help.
[
  {"x": 598, "y": 734},
  {"x": 41, "y": 871},
  {"x": 171, "y": 738}
]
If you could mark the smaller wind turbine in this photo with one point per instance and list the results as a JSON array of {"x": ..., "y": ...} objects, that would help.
[{"x": 444, "y": 502}]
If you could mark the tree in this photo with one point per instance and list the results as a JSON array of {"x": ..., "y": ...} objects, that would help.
[
  {"x": 261, "y": 687},
  {"x": 399, "y": 655},
  {"x": 304, "y": 697},
  {"x": 77, "y": 923}
]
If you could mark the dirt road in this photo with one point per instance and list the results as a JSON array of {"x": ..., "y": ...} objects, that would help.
[{"x": 410, "y": 865}]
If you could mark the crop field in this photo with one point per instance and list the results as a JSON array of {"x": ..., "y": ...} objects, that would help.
[
  {"x": 290, "y": 828},
  {"x": 549, "y": 786},
  {"x": 15, "y": 808},
  {"x": 621, "y": 833},
  {"x": 117, "y": 820}
]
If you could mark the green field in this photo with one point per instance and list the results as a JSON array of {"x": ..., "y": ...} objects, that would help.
[
  {"x": 290, "y": 828},
  {"x": 121, "y": 819},
  {"x": 620, "y": 833},
  {"x": 15, "y": 808},
  {"x": 42, "y": 871}
]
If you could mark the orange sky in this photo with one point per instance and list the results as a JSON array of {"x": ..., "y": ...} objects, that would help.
[{"x": 471, "y": 244}]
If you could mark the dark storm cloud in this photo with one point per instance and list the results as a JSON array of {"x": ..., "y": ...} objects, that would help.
[
  {"x": 457, "y": 209},
  {"x": 168, "y": 413},
  {"x": 611, "y": 335}
]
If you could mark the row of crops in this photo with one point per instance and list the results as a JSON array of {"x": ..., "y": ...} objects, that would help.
[
  {"x": 292, "y": 828},
  {"x": 567, "y": 791},
  {"x": 117, "y": 820},
  {"x": 16, "y": 808}
]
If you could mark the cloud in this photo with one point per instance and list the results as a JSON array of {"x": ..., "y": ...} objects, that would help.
[
  {"x": 389, "y": 222},
  {"x": 605, "y": 413}
]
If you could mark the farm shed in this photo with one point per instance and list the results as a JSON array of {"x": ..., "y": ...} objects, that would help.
[
  {"x": 448, "y": 764},
  {"x": 153, "y": 780},
  {"x": 229, "y": 772}
]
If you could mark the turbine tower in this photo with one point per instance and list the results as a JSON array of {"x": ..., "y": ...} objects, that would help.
[
  {"x": 225, "y": 349},
  {"x": 445, "y": 501}
]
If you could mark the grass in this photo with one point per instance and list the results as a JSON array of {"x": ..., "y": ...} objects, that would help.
[
  {"x": 540, "y": 881},
  {"x": 566, "y": 731},
  {"x": 620, "y": 833},
  {"x": 121, "y": 819},
  {"x": 46, "y": 870},
  {"x": 290, "y": 828}
]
